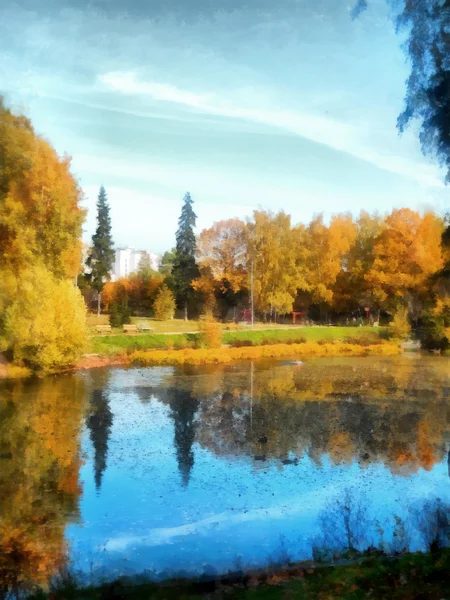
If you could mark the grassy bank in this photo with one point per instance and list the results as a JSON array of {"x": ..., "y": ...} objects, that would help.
[
  {"x": 407, "y": 577},
  {"x": 225, "y": 355},
  {"x": 308, "y": 334},
  {"x": 114, "y": 344}
]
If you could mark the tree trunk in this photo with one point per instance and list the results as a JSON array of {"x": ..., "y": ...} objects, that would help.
[
  {"x": 185, "y": 311},
  {"x": 98, "y": 303}
]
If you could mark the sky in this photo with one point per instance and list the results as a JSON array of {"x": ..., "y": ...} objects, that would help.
[{"x": 288, "y": 105}]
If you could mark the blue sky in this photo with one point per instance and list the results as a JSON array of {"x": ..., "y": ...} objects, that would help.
[{"x": 284, "y": 105}]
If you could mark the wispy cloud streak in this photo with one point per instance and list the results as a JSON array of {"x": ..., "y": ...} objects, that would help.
[{"x": 343, "y": 137}]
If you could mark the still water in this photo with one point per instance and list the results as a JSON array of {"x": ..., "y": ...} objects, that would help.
[{"x": 207, "y": 469}]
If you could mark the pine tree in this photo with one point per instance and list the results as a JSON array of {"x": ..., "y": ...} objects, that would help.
[
  {"x": 101, "y": 256},
  {"x": 185, "y": 268}
]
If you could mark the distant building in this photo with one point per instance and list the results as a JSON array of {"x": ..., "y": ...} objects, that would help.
[{"x": 127, "y": 261}]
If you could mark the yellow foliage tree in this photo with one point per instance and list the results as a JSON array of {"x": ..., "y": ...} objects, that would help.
[
  {"x": 400, "y": 326},
  {"x": 164, "y": 305},
  {"x": 273, "y": 252},
  {"x": 45, "y": 323},
  {"x": 221, "y": 251},
  {"x": 326, "y": 253},
  {"x": 40, "y": 213},
  {"x": 210, "y": 332},
  {"x": 407, "y": 252},
  {"x": 352, "y": 288}
]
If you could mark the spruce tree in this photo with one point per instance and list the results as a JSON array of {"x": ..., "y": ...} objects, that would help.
[
  {"x": 101, "y": 256},
  {"x": 185, "y": 268}
]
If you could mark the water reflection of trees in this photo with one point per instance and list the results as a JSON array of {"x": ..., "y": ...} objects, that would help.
[
  {"x": 183, "y": 408},
  {"x": 391, "y": 411},
  {"x": 99, "y": 423},
  {"x": 39, "y": 469}
]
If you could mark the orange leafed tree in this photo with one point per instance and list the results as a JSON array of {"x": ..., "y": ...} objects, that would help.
[
  {"x": 221, "y": 255},
  {"x": 326, "y": 252},
  {"x": 40, "y": 201},
  {"x": 406, "y": 253}
]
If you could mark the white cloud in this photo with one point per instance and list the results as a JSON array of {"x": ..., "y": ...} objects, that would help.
[
  {"x": 126, "y": 82},
  {"x": 301, "y": 505},
  {"x": 342, "y": 136}
]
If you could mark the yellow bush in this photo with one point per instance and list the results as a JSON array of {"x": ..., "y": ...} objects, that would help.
[
  {"x": 400, "y": 327},
  {"x": 210, "y": 332},
  {"x": 225, "y": 355},
  {"x": 16, "y": 372},
  {"x": 164, "y": 305},
  {"x": 45, "y": 323}
]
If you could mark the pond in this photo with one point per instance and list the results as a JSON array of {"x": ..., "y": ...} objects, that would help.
[{"x": 204, "y": 470}]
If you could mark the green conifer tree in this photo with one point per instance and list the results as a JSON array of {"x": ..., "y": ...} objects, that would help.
[
  {"x": 185, "y": 268},
  {"x": 101, "y": 256}
]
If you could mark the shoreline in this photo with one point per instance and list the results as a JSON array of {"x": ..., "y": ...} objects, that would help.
[{"x": 222, "y": 355}]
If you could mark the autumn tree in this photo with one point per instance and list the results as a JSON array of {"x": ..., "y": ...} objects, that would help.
[
  {"x": 42, "y": 318},
  {"x": 40, "y": 213},
  {"x": 407, "y": 252},
  {"x": 352, "y": 289},
  {"x": 272, "y": 257},
  {"x": 185, "y": 268},
  {"x": 164, "y": 306},
  {"x": 45, "y": 324},
  {"x": 221, "y": 254},
  {"x": 325, "y": 252},
  {"x": 101, "y": 255}
]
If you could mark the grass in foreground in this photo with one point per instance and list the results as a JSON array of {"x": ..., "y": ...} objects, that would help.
[
  {"x": 115, "y": 344},
  {"x": 407, "y": 577}
]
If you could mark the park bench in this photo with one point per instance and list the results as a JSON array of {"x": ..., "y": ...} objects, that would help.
[
  {"x": 130, "y": 328},
  {"x": 103, "y": 328},
  {"x": 144, "y": 327}
]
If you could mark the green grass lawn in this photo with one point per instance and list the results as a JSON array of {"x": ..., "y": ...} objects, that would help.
[
  {"x": 310, "y": 334},
  {"x": 114, "y": 344},
  {"x": 172, "y": 325}
]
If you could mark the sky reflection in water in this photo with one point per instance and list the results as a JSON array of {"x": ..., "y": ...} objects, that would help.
[
  {"x": 205, "y": 469},
  {"x": 195, "y": 475}
]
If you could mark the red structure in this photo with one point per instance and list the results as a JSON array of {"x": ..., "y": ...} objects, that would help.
[
  {"x": 296, "y": 314},
  {"x": 247, "y": 315}
]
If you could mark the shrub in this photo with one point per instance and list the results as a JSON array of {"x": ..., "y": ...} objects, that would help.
[
  {"x": 210, "y": 332},
  {"x": 400, "y": 327},
  {"x": 226, "y": 355},
  {"x": 45, "y": 324},
  {"x": 435, "y": 329},
  {"x": 164, "y": 305},
  {"x": 241, "y": 343},
  {"x": 364, "y": 340},
  {"x": 119, "y": 314},
  {"x": 16, "y": 372}
]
